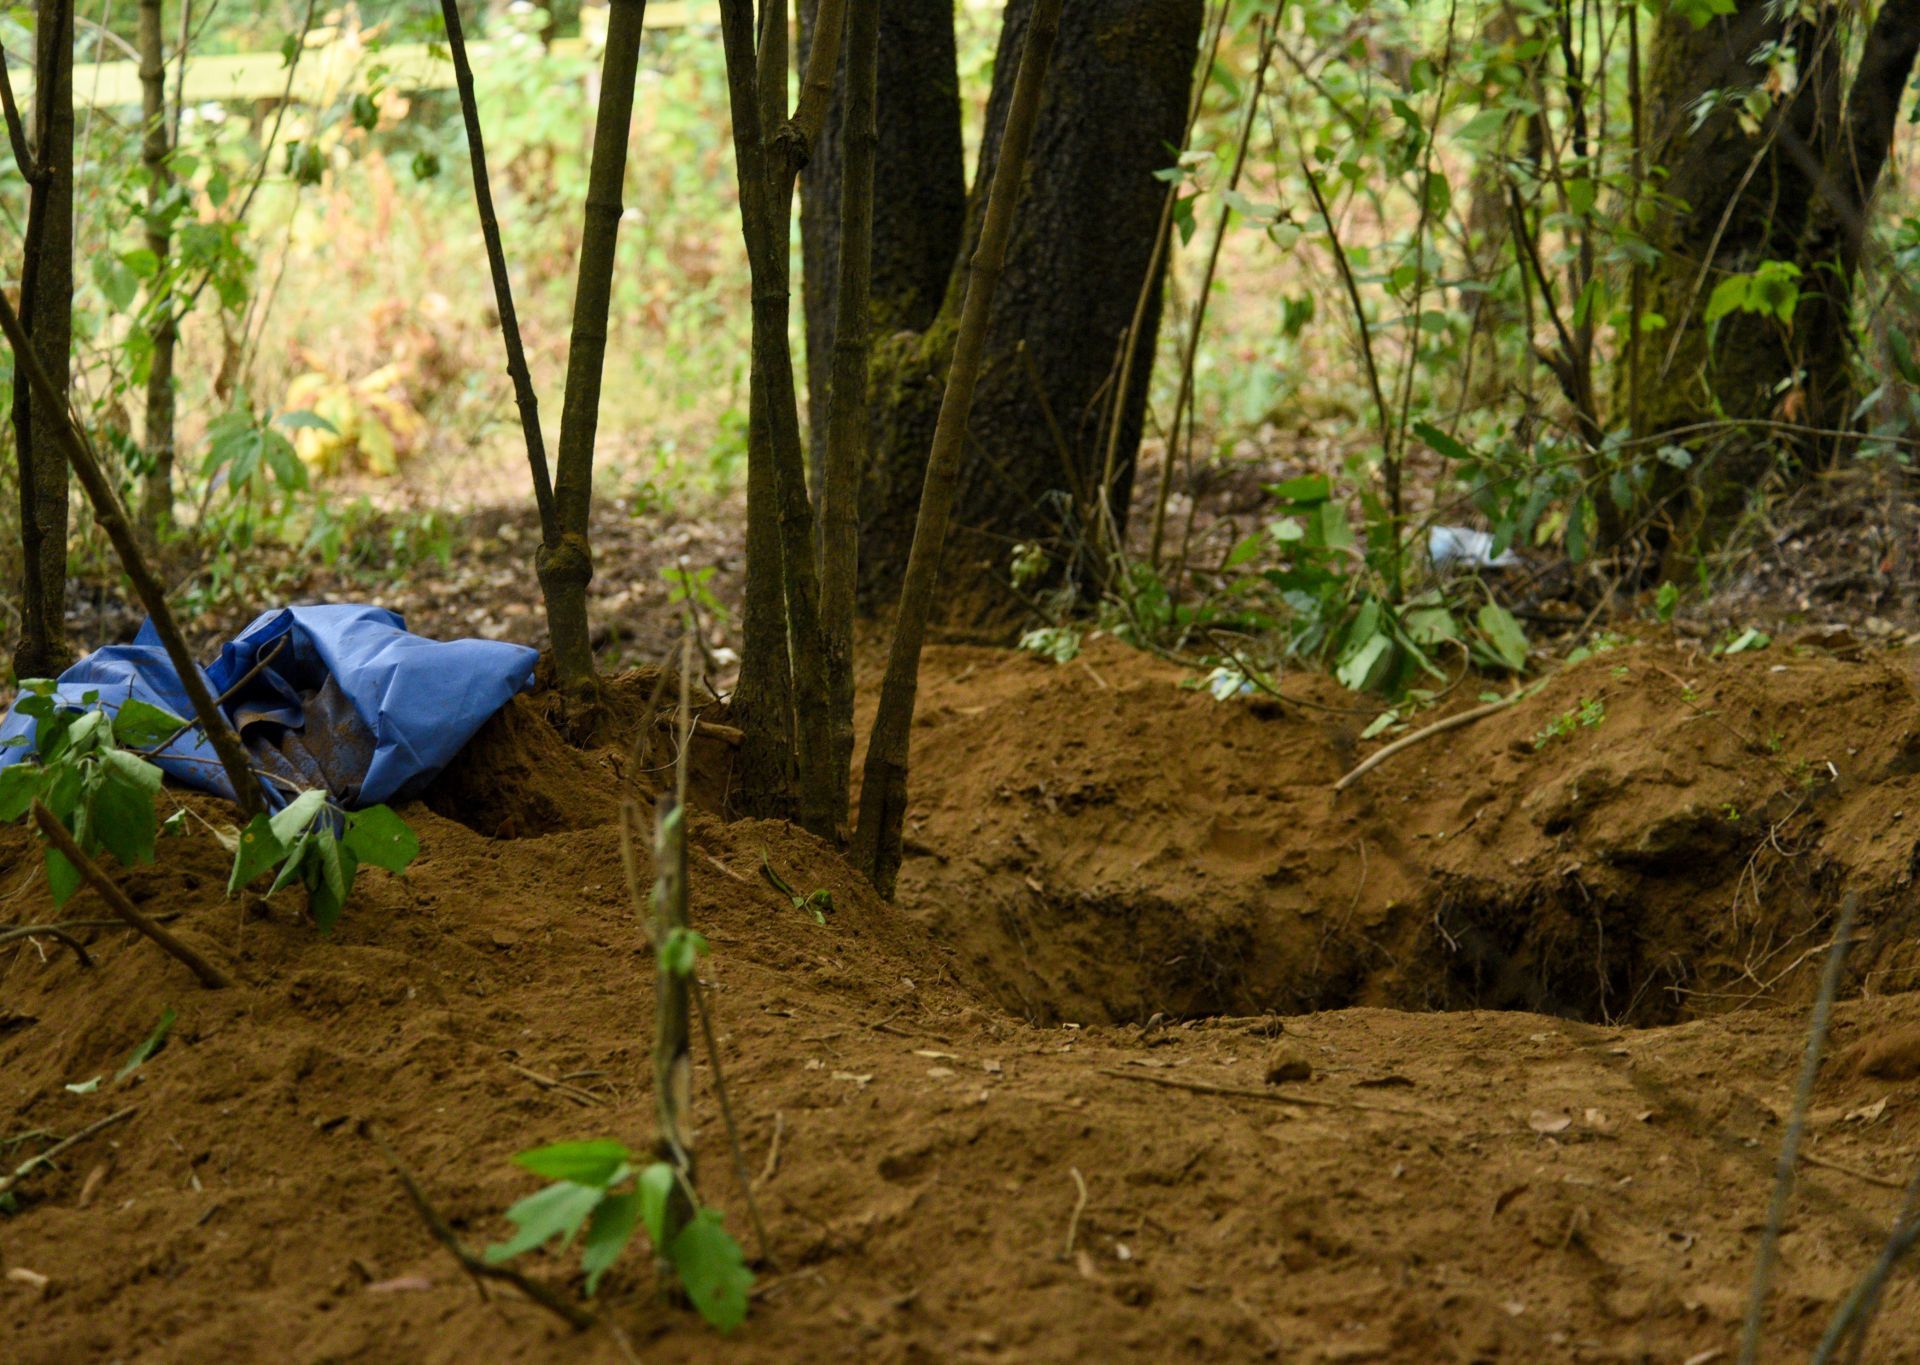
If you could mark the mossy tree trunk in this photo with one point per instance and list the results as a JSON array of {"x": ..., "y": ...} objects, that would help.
[
  {"x": 1794, "y": 185},
  {"x": 1080, "y": 253}
]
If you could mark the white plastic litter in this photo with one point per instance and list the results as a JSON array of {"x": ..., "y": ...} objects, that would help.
[{"x": 1464, "y": 547}]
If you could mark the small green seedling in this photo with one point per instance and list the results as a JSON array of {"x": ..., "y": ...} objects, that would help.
[
  {"x": 1588, "y": 714},
  {"x": 315, "y": 842},
  {"x": 816, "y": 903},
  {"x": 149, "y": 1045},
  {"x": 599, "y": 1187}
]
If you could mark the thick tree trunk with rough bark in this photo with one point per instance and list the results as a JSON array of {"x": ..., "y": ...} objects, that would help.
[
  {"x": 46, "y": 309},
  {"x": 1080, "y": 253},
  {"x": 1795, "y": 187}
]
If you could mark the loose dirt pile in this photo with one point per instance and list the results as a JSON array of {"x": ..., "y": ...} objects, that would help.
[
  {"x": 1654, "y": 834},
  {"x": 1441, "y": 1186}
]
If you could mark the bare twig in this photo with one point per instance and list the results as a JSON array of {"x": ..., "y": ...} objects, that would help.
[
  {"x": 572, "y": 1314},
  {"x": 52, "y": 931},
  {"x": 16, "y": 130},
  {"x": 768, "y": 1171},
  {"x": 1856, "y": 1313},
  {"x": 1796, "y": 1126},
  {"x": 705, "y": 1011},
  {"x": 585, "y": 1098},
  {"x": 523, "y": 394},
  {"x": 259, "y": 666},
  {"x": 1079, "y": 1207},
  {"x": 46, "y": 1158},
  {"x": 112, "y": 518},
  {"x": 56, "y": 834},
  {"x": 1439, "y": 727},
  {"x": 1240, "y": 1092}
]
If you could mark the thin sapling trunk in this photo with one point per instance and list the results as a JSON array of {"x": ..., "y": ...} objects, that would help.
[
  {"x": 567, "y": 567},
  {"x": 50, "y": 404},
  {"x": 883, "y": 792},
  {"x": 156, "y": 508},
  {"x": 848, "y": 420},
  {"x": 523, "y": 395}
]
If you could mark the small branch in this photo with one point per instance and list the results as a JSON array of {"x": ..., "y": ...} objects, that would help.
[
  {"x": 46, "y": 1158},
  {"x": 112, "y": 519},
  {"x": 1439, "y": 727},
  {"x": 802, "y": 131},
  {"x": 523, "y": 394},
  {"x": 733, "y": 1129},
  {"x": 572, "y": 1314},
  {"x": 56, "y": 834},
  {"x": 259, "y": 666},
  {"x": 1079, "y": 1207},
  {"x": 53, "y": 931},
  {"x": 1239, "y": 1092},
  {"x": 16, "y": 130},
  {"x": 1796, "y": 1126}
]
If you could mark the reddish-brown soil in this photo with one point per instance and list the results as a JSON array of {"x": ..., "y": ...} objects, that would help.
[{"x": 922, "y": 1089}]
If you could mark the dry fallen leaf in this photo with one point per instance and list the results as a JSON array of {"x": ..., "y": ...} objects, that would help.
[
  {"x": 939, "y": 1073},
  {"x": 1546, "y": 1121},
  {"x": 850, "y": 1076},
  {"x": 1868, "y": 1113},
  {"x": 32, "y": 1279},
  {"x": 936, "y": 1055},
  {"x": 402, "y": 1284}
]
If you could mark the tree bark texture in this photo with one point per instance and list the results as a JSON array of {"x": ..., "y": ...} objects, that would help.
[
  {"x": 46, "y": 311},
  {"x": 156, "y": 507}
]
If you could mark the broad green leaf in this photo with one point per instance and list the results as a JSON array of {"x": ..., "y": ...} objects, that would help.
[
  {"x": 120, "y": 814},
  {"x": 1358, "y": 670},
  {"x": 295, "y": 867},
  {"x": 151, "y": 1044},
  {"x": 298, "y": 814},
  {"x": 598, "y": 1162},
  {"x": 1306, "y": 488},
  {"x": 260, "y": 848},
  {"x": 712, "y": 1270},
  {"x": 607, "y": 1236},
  {"x": 141, "y": 725},
  {"x": 330, "y": 871},
  {"x": 556, "y": 1211},
  {"x": 379, "y": 837},
  {"x": 1729, "y": 296},
  {"x": 655, "y": 1187},
  {"x": 1503, "y": 635},
  {"x": 1442, "y": 443},
  {"x": 19, "y": 784},
  {"x": 63, "y": 878},
  {"x": 132, "y": 769}
]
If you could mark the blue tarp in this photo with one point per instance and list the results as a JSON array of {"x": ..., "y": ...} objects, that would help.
[{"x": 349, "y": 700}]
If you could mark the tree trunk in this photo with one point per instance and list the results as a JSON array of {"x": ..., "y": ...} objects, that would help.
[
  {"x": 1079, "y": 256},
  {"x": 1793, "y": 187},
  {"x": 566, "y": 569},
  {"x": 156, "y": 508},
  {"x": 46, "y": 310},
  {"x": 919, "y": 189}
]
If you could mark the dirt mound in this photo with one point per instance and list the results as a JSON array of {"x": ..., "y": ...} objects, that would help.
[
  {"x": 920, "y": 1156},
  {"x": 1656, "y": 832}
]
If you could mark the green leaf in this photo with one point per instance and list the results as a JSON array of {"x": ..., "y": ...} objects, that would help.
[
  {"x": 330, "y": 871},
  {"x": 1751, "y": 638},
  {"x": 19, "y": 785},
  {"x": 86, "y": 1087},
  {"x": 1306, "y": 488},
  {"x": 302, "y": 419},
  {"x": 683, "y": 949},
  {"x": 1503, "y": 634},
  {"x": 259, "y": 849},
  {"x": 556, "y": 1211},
  {"x": 712, "y": 1270},
  {"x": 295, "y": 866},
  {"x": 141, "y": 725},
  {"x": 1357, "y": 671},
  {"x": 151, "y": 1044},
  {"x": 655, "y": 1188},
  {"x": 379, "y": 837},
  {"x": 607, "y": 1236},
  {"x": 1442, "y": 443},
  {"x": 120, "y": 811},
  {"x": 63, "y": 879},
  {"x": 1729, "y": 296},
  {"x": 598, "y": 1163},
  {"x": 298, "y": 814}
]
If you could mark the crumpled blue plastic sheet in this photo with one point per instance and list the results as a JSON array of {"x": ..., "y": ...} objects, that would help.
[{"x": 348, "y": 699}]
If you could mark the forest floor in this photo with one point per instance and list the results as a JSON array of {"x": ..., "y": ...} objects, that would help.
[{"x": 1168, "y": 1050}]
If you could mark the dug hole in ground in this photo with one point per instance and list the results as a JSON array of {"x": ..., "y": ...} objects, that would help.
[{"x": 1168, "y": 1050}]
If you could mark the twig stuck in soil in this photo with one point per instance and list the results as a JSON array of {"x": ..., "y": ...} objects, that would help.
[
  {"x": 704, "y": 1010},
  {"x": 1796, "y": 1126},
  {"x": 1079, "y": 1207},
  {"x": 772, "y": 1168},
  {"x": 56, "y": 834},
  {"x": 52, "y": 931},
  {"x": 1439, "y": 727},
  {"x": 1856, "y": 1313},
  {"x": 585, "y": 1098},
  {"x": 1240, "y": 1092},
  {"x": 1868, "y": 1176},
  {"x": 573, "y": 1315},
  {"x": 46, "y": 1158}
]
